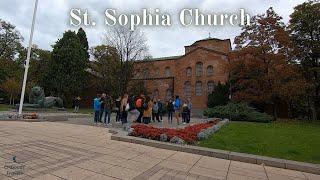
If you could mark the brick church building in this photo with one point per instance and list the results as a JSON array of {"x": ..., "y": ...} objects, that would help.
[{"x": 191, "y": 75}]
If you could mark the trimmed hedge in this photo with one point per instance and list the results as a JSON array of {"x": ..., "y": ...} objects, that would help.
[{"x": 237, "y": 112}]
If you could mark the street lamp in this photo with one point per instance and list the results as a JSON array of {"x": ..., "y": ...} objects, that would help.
[{"x": 28, "y": 59}]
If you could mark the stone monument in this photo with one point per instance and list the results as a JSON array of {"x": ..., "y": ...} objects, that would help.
[{"x": 38, "y": 100}]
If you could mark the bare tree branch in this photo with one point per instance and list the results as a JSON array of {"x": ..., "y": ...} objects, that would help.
[{"x": 130, "y": 46}]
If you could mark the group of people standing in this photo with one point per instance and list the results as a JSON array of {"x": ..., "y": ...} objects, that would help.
[
  {"x": 140, "y": 109},
  {"x": 178, "y": 107},
  {"x": 102, "y": 105}
]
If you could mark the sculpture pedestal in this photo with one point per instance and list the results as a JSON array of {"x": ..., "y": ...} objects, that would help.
[
  {"x": 27, "y": 105},
  {"x": 36, "y": 108}
]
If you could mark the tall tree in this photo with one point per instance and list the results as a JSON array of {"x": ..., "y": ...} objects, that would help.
[
  {"x": 130, "y": 46},
  {"x": 10, "y": 46},
  {"x": 105, "y": 68},
  {"x": 39, "y": 64},
  {"x": 291, "y": 87},
  {"x": 84, "y": 42},
  {"x": 262, "y": 54},
  {"x": 9, "y": 68},
  {"x": 10, "y": 40},
  {"x": 66, "y": 74},
  {"x": 305, "y": 32},
  {"x": 11, "y": 86}
]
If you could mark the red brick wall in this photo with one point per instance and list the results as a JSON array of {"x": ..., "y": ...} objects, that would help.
[
  {"x": 207, "y": 58},
  {"x": 178, "y": 70},
  {"x": 161, "y": 85}
]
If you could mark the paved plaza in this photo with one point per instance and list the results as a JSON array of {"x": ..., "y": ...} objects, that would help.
[{"x": 55, "y": 150}]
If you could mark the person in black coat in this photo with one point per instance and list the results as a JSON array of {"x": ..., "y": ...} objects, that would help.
[
  {"x": 117, "y": 104},
  {"x": 160, "y": 109},
  {"x": 170, "y": 110},
  {"x": 76, "y": 104}
]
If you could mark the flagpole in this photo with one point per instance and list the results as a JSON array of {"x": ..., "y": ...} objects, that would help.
[{"x": 28, "y": 59}]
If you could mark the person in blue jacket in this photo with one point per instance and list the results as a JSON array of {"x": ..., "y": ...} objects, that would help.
[
  {"x": 177, "y": 105},
  {"x": 96, "y": 108}
]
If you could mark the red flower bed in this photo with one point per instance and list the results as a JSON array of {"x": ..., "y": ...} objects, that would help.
[{"x": 188, "y": 134}]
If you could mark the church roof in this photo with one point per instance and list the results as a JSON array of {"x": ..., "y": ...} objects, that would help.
[
  {"x": 160, "y": 59},
  {"x": 209, "y": 39},
  {"x": 177, "y": 57}
]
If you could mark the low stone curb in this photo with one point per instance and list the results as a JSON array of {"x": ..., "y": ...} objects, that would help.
[
  {"x": 235, "y": 156},
  {"x": 37, "y": 120},
  {"x": 49, "y": 118},
  {"x": 23, "y": 120}
]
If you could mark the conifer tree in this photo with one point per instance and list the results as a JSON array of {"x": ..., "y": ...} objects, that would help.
[{"x": 67, "y": 70}]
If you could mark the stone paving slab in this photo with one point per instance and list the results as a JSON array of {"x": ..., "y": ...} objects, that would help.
[{"x": 51, "y": 150}]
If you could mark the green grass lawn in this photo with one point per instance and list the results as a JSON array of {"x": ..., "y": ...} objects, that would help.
[
  {"x": 4, "y": 107},
  {"x": 298, "y": 141}
]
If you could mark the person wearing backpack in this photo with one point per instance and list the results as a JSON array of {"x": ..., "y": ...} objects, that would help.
[
  {"x": 177, "y": 107},
  {"x": 139, "y": 106},
  {"x": 170, "y": 110},
  {"x": 155, "y": 111},
  {"x": 147, "y": 112},
  {"x": 185, "y": 112}
]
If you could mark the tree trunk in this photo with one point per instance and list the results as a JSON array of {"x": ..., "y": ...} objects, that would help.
[
  {"x": 314, "y": 101},
  {"x": 274, "y": 111},
  {"x": 10, "y": 100},
  {"x": 313, "y": 110},
  {"x": 290, "y": 113}
]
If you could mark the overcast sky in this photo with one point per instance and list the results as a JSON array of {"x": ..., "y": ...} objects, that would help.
[{"x": 53, "y": 19}]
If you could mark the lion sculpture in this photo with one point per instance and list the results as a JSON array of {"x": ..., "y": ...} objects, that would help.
[{"x": 37, "y": 97}]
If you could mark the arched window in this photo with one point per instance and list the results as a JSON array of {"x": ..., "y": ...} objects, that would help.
[
  {"x": 210, "y": 70},
  {"x": 146, "y": 73},
  {"x": 210, "y": 87},
  {"x": 168, "y": 94},
  {"x": 199, "y": 66},
  {"x": 188, "y": 72},
  {"x": 198, "y": 89},
  {"x": 157, "y": 72},
  {"x": 137, "y": 73},
  {"x": 167, "y": 72},
  {"x": 187, "y": 89}
]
